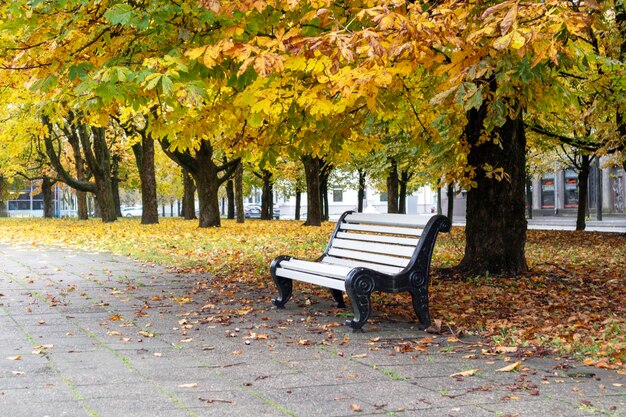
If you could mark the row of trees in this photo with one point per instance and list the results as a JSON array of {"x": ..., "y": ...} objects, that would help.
[{"x": 451, "y": 87}]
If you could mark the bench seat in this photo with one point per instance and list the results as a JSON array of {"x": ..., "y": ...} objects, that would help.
[{"x": 366, "y": 253}]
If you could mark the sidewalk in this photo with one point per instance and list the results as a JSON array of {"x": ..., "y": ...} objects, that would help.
[
  {"x": 611, "y": 224},
  {"x": 99, "y": 335}
]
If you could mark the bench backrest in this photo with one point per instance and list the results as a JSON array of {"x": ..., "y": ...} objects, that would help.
[{"x": 387, "y": 243}]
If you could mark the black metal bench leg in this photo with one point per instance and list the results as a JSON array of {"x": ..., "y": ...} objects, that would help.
[
  {"x": 285, "y": 287},
  {"x": 359, "y": 289},
  {"x": 338, "y": 296},
  {"x": 420, "y": 305}
]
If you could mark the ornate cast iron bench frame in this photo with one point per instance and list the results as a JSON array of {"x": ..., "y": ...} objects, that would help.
[{"x": 366, "y": 253}]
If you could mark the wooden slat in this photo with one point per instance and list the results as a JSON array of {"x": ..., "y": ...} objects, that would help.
[
  {"x": 388, "y": 219},
  {"x": 405, "y": 231},
  {"x": 369, "y": 257},
  {"x": 385, "y": 269},
  {"x": 366, "y": 237},
  {"x": 337, "y": 284},
  {"x": 381, "y": 248},
  {"x": 335, "y": 271}
]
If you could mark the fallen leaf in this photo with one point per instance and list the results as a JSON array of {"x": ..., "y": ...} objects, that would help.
[
  {"x": 304, "y": 342},
  {"x": 192, "y": 385},
  {"x": 18, "y": 373},
  {"x": 116, "y": 317},
  {"x": 510, "y": 368},
  {"x": 146, "y": 334},
  {"x": 469, "y": 372},
  {"x": 356, "y": 408},
  {"x": 360, "y": 355},
  {"x": 15, "y": 358}
]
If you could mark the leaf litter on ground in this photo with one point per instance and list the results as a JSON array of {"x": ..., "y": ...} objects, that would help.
[{"x": 571, "y": 301}]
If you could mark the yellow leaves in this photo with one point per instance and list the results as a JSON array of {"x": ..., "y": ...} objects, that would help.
[
  {"x": 510, "y": 368},
  {"x": 469, "y": 372}
]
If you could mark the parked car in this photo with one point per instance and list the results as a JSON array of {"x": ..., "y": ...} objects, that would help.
[
  {"x": 253, "y": 211},
  {"x": 132, "y": 211}
]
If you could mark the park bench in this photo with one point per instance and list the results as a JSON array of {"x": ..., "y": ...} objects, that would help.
[{"x": 366, "y": 253}]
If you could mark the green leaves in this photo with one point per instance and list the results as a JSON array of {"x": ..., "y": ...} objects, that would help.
[{"x": 119, "y": 14}]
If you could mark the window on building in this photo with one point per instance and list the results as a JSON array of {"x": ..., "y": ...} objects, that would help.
[
  {"x": 337, "y": 195},
  {"x": 547, "y": 191},
  {"x": 383, "y": 196},
  {"x": 571, "y": 189}
]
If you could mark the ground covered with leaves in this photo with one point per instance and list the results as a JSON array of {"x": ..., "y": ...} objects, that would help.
[{"x": 572, "y": 301}]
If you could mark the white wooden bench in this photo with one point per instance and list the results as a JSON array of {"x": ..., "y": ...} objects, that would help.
[{"x": 366, "y": 253}]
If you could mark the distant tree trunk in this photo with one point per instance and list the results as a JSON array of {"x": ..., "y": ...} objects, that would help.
[
  {"x": 239, "y": 193},
  {"x": 312, "y": 174},
  {"x": 205, "y": 173},
  {"x": 325, "y": 170},
  {"x": 267, "y": 194},
  {"x": 583, "y": 191},
  {"x": 361, "y": 191},
  {"x": 598, "y": 190},
  {"x": 405, "y": 177},
  {"x": 3, "y": 205},
  {"x": 81, "y": 176},
  {"x": 450, "y": 194},
  {"x": 189, "y": 196},
  {"x": 392, "y": 188},
  {"x": 96, "y": 153},
  {"x": 298, "y": 203},
  {"x": 144, "y": 158},
  {"x": 529, "y": 197},
  {"x": 99, "y": 161},
  {"x": 495, "y": 230},
  {"x": 230, "y": 197},
  {"x": 115, "y": 185},
  {"x": 439, "y": 208},
  {"x": 48, "y": 201}
]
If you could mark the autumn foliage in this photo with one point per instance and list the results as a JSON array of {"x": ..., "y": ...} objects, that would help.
[{"x": 571, "y": 300}]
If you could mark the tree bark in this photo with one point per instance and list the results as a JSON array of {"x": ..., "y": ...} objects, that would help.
[
  {"x": 529, "y": 198},
  {"x": 312, "y": 174},
  {"x": 48, "y": 202},
  {"x": 325, "y": 170},
  {"x": 205, "y": 173},
  {"x": 144, "y": 157},
  {"x": 405, "y": 177},
  {"x": 450, "y": 194},
  {"x": 361, "y": 191},
  {"x": 81, "y": 175},
  {"x": 115, "y": 185},
  {"x": 267, "y": 195},
  {"x": 496, "y": 225},
  {"x": 392, "y": 188},
  {"x": 189, "y": 196},
  {"x": 96, "y": 153},
  {"x": 298, "y": 203},
  {"x": 230, "y": 199},
  {"x": 3, "y": 204},
  {"x": 583, "y": 191},
  {"x": 439, "y": 208},
  {"x": 239, "y": 193},
  {"x": 598, "y": 190}
]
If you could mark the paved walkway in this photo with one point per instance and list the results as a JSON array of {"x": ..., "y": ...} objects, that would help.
[{"x": 98, "y": 335}]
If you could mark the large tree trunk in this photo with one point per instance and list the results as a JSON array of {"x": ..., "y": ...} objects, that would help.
[
  {"x": 189, "y": 196},
  {"x": 583, "y": 191},
  {"x": 239, "y": 193},
  {"x": 495, "y": 230},
  {"x": 144, "y": 157},
  {"x": 598, "y": 190},
  {"x": 312, "y": 174},
  {"x": 48, "y": 200},
  {"x": 392, "y": 188},
  {"x": 361, "y": 191}
]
